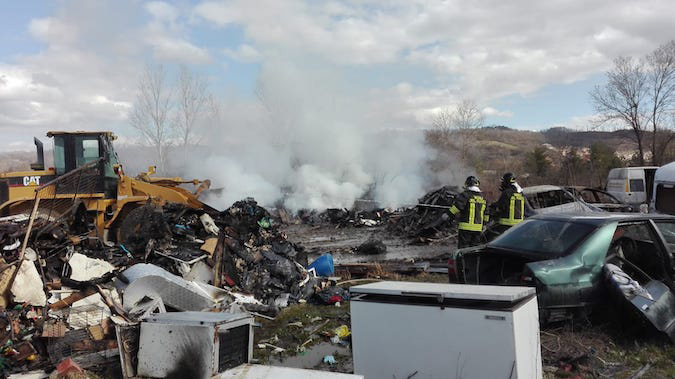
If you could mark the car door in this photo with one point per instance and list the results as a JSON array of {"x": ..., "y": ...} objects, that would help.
[{"x": 640, "y": 277}]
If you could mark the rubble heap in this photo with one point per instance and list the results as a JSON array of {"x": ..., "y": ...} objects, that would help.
[
  {"x": 67, "y": 292},
  {"x": 259, "y": 259}
]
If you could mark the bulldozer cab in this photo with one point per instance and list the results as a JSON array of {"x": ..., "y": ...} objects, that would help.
[{"x": 73, "y": 150}]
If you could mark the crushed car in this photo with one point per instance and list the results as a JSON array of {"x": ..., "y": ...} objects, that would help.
[
  {"x": 599, "y": 198},
  {"x": 578, "y": 261},
  {"x": 555, "y": 199}
]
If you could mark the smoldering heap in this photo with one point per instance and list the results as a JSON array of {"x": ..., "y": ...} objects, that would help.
[
  {"x": 426, "y": 220},
  {"x": 63, "y": 296}
]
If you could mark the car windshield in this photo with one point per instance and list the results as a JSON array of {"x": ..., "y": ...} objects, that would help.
[{"x": 551, "y": 238}]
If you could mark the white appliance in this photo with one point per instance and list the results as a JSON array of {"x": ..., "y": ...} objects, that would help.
[
  {"x": 430, "y": 330},
  {"x": 194, "y": 344}
]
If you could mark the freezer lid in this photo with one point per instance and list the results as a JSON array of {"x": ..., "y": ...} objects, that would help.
[
  {"x": 445, "y": 291},
  {"x": 249, "y": 371},
  {"x": 195, "y": 318}
]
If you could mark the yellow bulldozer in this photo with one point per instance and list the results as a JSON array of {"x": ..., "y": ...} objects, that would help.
[{"x": 87, "y": 183}]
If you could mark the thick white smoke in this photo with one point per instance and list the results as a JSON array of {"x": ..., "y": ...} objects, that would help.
[{"x": 308, "y": 142}]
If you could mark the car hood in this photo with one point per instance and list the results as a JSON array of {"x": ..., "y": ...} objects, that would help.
[{"x": 487, "y": 249}]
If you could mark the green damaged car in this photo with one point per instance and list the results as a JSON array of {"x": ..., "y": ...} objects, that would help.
[{"x": 578, "y": 261}]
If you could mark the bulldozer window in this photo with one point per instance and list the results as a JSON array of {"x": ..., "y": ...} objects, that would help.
[
  {"x": 86, "y": 150},
  {"x": 59, "y": 156}
]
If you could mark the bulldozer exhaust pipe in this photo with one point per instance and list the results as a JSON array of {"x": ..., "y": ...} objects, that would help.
[{"x": 40, "y": 164}]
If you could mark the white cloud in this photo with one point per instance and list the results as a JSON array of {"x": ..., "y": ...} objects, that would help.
[
  {"x": 177, "y": 50},
  {"x": 245, "y": 53},
  {"x": 490, "y": 111},
  {"x": 166, "y": 36},
  {"x": 162, "y": 11},
  {"x": 51, "y": 29},
  {"x": 486, "y": 49}
]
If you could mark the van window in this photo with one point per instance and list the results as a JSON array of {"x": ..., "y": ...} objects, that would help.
[
  {"x": 665, "y": 198},
  {"x": 618, "y": 173},
  {"x": 637, "y": 185}
]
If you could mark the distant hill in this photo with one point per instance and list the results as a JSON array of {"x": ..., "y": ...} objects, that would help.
[{"x": 561, "y": 137}]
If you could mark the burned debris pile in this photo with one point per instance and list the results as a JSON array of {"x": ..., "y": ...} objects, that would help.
[
  {"x": 343, "y": 217},
  {"x": 426, "y": 220},
  {"x": 65, "y": 293}
]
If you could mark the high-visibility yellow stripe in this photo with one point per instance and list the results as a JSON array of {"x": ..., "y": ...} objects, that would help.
[
  {"x": 470, "y": 226},
  {"x": 454, "y": 210},
  {"x": 515, "y": 200},
  {"x": 472, "y": 211}
]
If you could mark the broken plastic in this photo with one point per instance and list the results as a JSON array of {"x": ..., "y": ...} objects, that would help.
[
  {"x": 209, "y": 224},
  {"x": 85, "y": 268},
  {"x": 27, "y": 286}
]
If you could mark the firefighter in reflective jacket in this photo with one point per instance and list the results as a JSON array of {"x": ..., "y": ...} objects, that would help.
[
  {"x": 509, "y": 210},
  {"x": 468, "y": 210}
]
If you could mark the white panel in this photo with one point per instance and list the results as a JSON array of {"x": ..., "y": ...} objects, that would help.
[
  {"x": 162, "y": 346},
  {"x": 528, "y": 348}
]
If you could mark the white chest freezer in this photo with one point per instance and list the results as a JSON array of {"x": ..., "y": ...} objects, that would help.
[{"x": 430, "y": 330}]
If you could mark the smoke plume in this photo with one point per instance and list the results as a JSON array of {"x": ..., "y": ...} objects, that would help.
[{"x": 308, "y": 142}]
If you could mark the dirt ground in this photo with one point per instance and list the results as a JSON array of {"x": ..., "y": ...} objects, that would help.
[{"x": 341, "y": 242}]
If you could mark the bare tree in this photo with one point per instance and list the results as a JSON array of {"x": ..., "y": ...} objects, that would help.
[
  {"x": 462, "y": 121},
  {"x": 193, "y": 102},
  {"x": 622, "y": 97},
  {"x": 639, "y": 93},
  {"x": 661, "y": 78},
  {"x": 442, "y": 121},
  {"x": 151, "y": 112}
]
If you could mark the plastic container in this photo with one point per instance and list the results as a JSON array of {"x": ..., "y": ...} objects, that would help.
[{"x": 323, "y": 266}]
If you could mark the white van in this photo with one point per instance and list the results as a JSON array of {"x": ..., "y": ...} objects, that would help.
[
  {"x": 663, "y": 199},
  {"x": 631, "y": 185}
]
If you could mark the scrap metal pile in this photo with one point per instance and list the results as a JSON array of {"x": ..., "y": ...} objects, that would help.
[
  {"x": 423, "y": 221},
  {"x": 65, "y": 294},
  {"x": 426, "y": 220},
  {"x": 343, "y": 217}
]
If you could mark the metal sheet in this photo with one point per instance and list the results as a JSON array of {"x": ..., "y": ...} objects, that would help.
[
  {"x": 197, "y": 318},
  {"x": 146, "y": 280}
]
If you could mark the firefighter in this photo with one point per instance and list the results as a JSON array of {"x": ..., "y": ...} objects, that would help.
[
  {"x": 509, "y": 210},
  {"x": 469, "y": 211}
]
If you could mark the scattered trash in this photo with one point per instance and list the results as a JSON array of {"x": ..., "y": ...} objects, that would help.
[
  {"x": 323, "y": 266},
  {"x": 342, "y": 331},
  {"x": 329, "y": 359},
  {"x": 332, "y": 296},
  {"x": 68, "y": 366}
]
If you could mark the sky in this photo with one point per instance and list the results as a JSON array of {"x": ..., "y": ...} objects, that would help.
[{"x": 528, "y": 64}]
